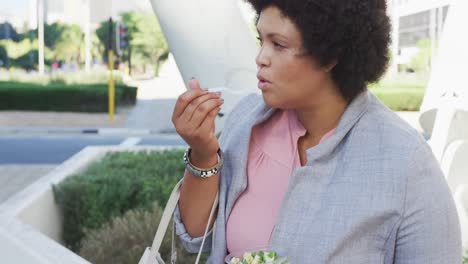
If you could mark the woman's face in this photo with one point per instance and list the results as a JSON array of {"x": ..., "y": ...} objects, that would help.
[{"x": 288, "y": 78}]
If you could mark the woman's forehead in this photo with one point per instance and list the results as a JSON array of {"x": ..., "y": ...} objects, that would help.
[{"x": 272, "y": 21}]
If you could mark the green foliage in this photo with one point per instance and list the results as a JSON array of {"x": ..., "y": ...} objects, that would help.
[
  {"x": 26, "y": 61},
  {"x": 400, "y": 100},
  {"x": 401, "y": 93},
  {"x": 61, "y": 97},
  {"x": 69, "y": 43},
  {"x": 7, "y": 31},
  {"x": 52, "y": 33},
  {"x": 146, "y": 40},
  {"x": 124, "y": 239},
  {"x": 93, "y": 77},
  {"x": 400, "y": 97},
  {"x": 23, "y": 54},
  {"x": 3, "y": 55},
  {"x": 62, "y": 42},
  {"x": 421, "y": 62},
  {"x": 116, "y": 184},
  {"x": 18, "y": 49}
]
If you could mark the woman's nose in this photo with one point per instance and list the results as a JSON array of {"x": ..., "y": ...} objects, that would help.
[{"x": 262, "y": 59}]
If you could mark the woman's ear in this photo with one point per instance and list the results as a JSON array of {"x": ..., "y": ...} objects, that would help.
[{"x": 330, "y": 66}]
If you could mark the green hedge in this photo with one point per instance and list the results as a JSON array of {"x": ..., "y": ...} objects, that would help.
[
  {"x": 62, "y": 97},
  {"x": 400, "y": 96},
  {"x": 116, "y": 184}
]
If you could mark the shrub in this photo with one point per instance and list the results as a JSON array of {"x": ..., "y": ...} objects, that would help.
[
  {"x": 401, "y": 94},
  {"x": 116, "y": 184},
  {"x": 62, "y": 97},
  {"x": 124, "y": 239},
  {"x": 400, "y": 100},
  {"x": 96, "y": 76}
]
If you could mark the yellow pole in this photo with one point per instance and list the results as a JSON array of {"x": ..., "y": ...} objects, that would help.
[{"x": 111, "y": 86}]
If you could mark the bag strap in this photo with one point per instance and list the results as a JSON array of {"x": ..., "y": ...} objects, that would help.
[
  {"x": 213, "y": 208},
  {"x": 166, "y": 218}
]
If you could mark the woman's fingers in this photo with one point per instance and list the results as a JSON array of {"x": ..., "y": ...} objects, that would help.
[
  {"x": 194, "y": 84},
  {"x": 202, "y": 111},
  {"x": 208, "y": 125},
  {"x": 184, "y": 100},
  {"x": 194, "y": 115},
  {"x": 191, "y": 108}
]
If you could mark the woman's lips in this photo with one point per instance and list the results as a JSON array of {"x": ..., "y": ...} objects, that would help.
[
  {"x": 262, "y": 85},
  {"x": 262, "y": 82}
]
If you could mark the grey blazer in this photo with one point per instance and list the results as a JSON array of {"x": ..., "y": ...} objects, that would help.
[{"x": 371, "y": 193}]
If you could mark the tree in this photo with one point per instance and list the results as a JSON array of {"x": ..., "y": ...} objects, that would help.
[
  {"x": 69, "y": 43},
  {"x": 421, "y": 62},
  {"x": 52, "y": 33},
  {"x": 65, "y": 41},
  {"x": 147, "y": 41},
  {"x": 3, "y": 57},
  {"x": 7, "y": 31}
]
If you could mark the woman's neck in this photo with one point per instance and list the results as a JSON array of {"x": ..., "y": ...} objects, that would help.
[{"x": 323, "y": 116}]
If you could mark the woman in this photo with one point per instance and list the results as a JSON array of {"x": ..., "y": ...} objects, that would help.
[{"x": 316, "y": 169}]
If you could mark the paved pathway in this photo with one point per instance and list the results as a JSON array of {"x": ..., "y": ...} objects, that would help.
[
  {"x": 17, "y": 177},
  {"x": 156, "y": 100}
]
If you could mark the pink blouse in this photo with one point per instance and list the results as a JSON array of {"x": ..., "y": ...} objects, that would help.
[{"x": 273, "y": 155}]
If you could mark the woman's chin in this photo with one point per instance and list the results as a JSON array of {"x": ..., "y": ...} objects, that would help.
[{"x": 270, "y": 100}]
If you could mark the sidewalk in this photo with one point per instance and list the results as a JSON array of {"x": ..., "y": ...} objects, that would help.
[
  {"x": 17, "y": 177},
  {"x": 34, "y": 119}
]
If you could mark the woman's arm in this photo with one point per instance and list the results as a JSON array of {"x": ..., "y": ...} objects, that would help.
[
  {"x": 430, "y": 229},
  {"x": 194, "y": 120},
  {"x": 197, "y": 196}
]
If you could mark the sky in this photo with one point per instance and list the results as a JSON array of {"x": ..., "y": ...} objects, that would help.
[{"x": 14, "y": 7}]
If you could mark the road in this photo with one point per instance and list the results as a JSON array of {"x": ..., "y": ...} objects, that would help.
[
  {"x": 58, "y": 148},
  {"x": 25, "y": 159}
]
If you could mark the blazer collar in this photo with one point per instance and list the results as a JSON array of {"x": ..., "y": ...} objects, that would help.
[{"x": 354, "y": 111}]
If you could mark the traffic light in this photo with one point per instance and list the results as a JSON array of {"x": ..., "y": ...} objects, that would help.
[{"x": 123, "y": 36}]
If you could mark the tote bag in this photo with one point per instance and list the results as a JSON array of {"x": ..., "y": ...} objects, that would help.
[{"x": 151, "y": 254}]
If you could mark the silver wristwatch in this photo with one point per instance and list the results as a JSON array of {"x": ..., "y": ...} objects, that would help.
[{"x": 203, "y": 173}]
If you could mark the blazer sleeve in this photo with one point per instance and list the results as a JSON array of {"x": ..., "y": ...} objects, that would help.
[
  {"x": 429, "y": 232},
  {"x": 191, "y": 244}
]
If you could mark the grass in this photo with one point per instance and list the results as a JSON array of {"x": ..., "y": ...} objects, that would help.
[{"x": 402, "y": 93}]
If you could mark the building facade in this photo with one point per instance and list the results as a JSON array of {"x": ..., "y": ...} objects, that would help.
[{"x": 415, "y": 20}]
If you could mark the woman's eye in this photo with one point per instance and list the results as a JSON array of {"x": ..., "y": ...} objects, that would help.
[{"x": 277, "y": 45}]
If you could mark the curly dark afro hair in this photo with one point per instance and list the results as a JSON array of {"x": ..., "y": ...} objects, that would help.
[{"x": 355, "y": 34}]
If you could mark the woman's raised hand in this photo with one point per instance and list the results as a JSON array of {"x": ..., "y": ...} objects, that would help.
[{"x": 194, "y": 120}]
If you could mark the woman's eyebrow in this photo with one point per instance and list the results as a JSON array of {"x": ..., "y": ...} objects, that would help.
[{"x": 272, "y": 34}]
